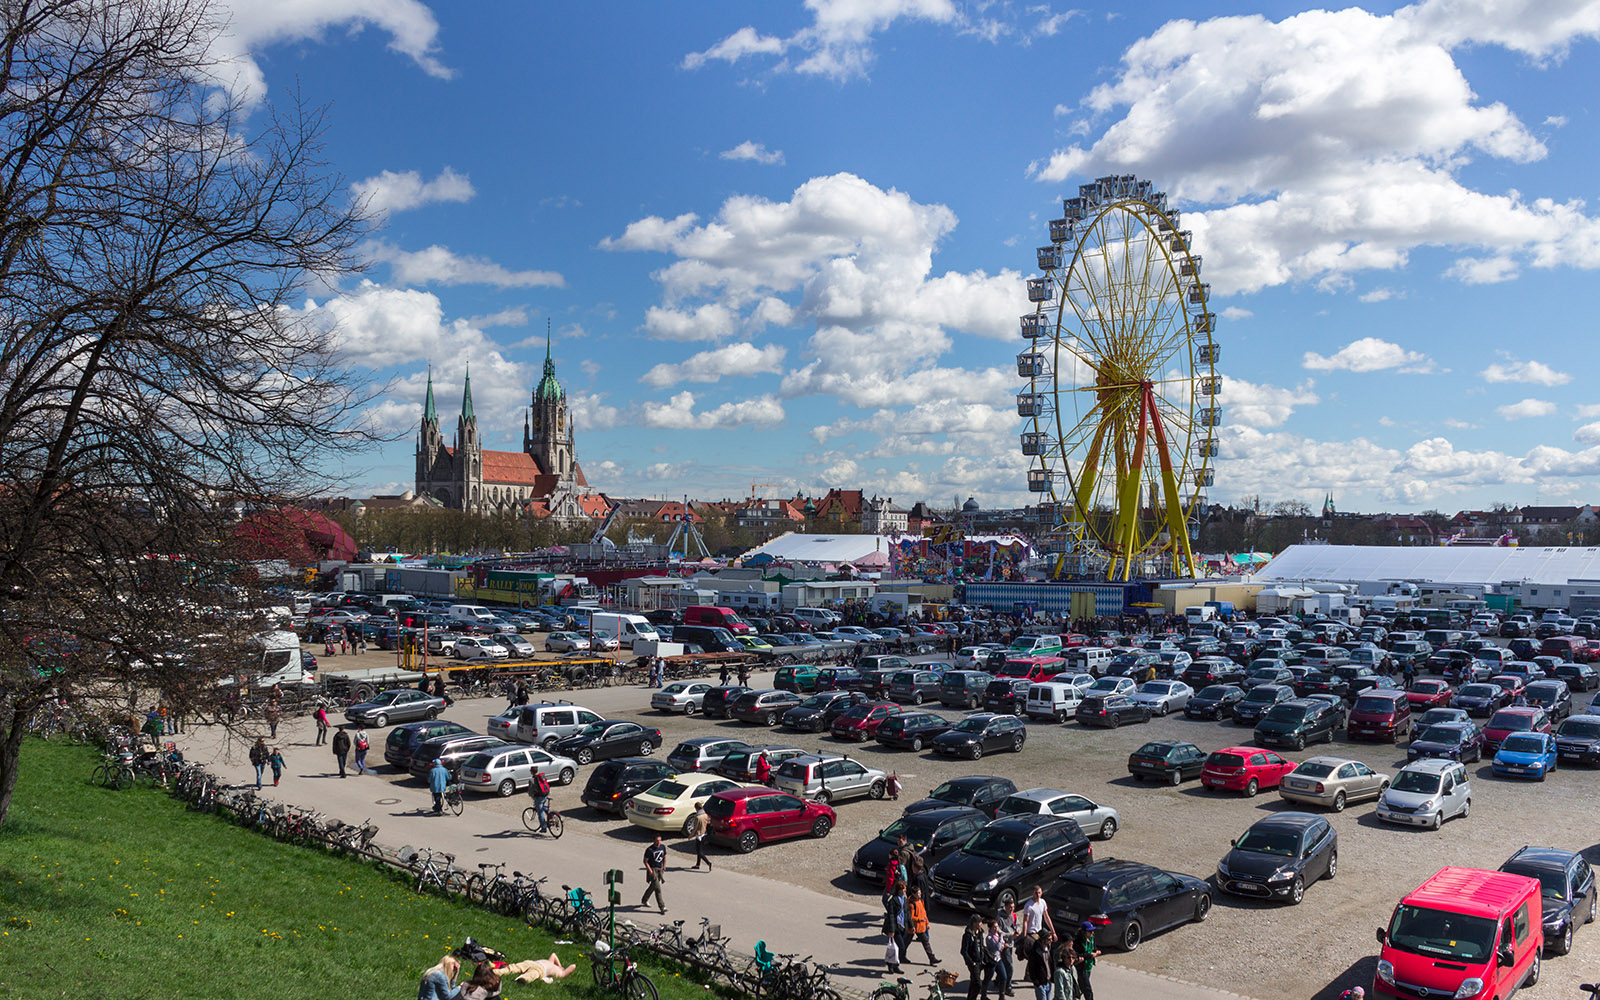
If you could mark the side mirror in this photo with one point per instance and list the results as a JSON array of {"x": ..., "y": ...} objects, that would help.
[
  {"x": 1505, "y": 956},
  {"x": 1383, "y": 936}
]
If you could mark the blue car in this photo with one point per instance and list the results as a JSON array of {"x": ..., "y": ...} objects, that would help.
[{"x": 1526, "y": 755}]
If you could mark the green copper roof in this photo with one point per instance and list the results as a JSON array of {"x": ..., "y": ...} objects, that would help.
[
  {"x": 428, "y": 412},
  {"x": 466, "y": 398},
  {"x": 548, "y": 388}
]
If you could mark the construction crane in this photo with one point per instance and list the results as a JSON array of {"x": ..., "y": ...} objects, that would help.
[{"x": 763, "y": 486}]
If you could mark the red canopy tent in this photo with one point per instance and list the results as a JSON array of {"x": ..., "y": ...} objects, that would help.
[{"x": 299, "y": 536}]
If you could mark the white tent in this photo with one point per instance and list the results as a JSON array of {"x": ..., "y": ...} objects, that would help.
[
  {"x": 1450, "y": 564},
  {"x": 798, "y": 548}
]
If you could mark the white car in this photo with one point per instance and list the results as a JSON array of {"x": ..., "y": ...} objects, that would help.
[
  {"x": 1164, "y": 697},
  {"x": 474, "y": 647},
  {"x": 668, "y": 805},
  {"x": 1080, "y": 681},
  {"x": 1095, "y": 820},
  {"x": 858, "y": 633},
  {"x": 602, "y": 644},
  {"x": 681, "y": 696},
  {"x": 566, "y": 642}
]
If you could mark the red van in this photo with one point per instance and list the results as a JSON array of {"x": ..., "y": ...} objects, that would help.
[
  {"x": 1379, "y": 715},
  {"x": 1463, "y": 933},
  {"x": 1569, "y": 647},
  {"x": 716, "y": 616},
  {"x": 1033, "y": 668}
]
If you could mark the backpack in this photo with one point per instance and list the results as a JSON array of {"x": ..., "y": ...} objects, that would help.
[
  {"x": 541, "y": 785},
  {"x": 361, "y": 743}
]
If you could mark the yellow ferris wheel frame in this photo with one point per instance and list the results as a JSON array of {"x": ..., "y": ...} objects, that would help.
[{"x": 1122, "y": 379}]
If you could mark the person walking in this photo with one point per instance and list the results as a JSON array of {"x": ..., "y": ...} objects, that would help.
[
  {"x": 258, "y": 757},
  {"x": 362, "y": 745},
  {"x": 655, "y": 871},
  {"x": 321, "y": 715},
  {"x": 919, "y": 924},
  {"x": 1035, "y": 917},
  {"x": 273, "y": 714},
  {"x": 972, "y": 955},
  {"x": 1065, "y": 986},
  {"x": 1084, "y": 945},
  {"x": 698, "y": 824},
  {"x": 995, "y": 947},
  {"x": 539, "y": 791},
  {"x": 899, "y": 923},
  {"x": 763, "y": 770},
  {"x": 1040, "y": 964},
  {"x": 276, "y": 760},
  {"x": 722, "y": 675},
  {"x": 439, "y": 692},
  {"x": 438, "y": 781},
  {"x": 341, "y": 748},
  {"x": 1006, "y": 920}
]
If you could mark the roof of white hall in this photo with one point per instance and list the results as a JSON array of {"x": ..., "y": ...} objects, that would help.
[
  {"x": 1454, "y": 564},
  {"x": 795, "y": 547}
]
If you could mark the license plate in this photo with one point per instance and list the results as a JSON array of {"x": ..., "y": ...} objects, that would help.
[
  {"x": 1570, "y": 756},
  {"x": 942, "y": 898}
]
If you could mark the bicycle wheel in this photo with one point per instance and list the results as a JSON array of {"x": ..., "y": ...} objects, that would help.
[
  {"x": 530, "y": 819},
  {"x": 101, "y": 775},
  {"x": 888, "y": 993},
  {"x": 557, "y": 824},
  {"x": 637, "y": 986},
  {"x": 123, "y": 778},
  {"x": 605, "y": 977},
  {"x": 454, "y": 801},
  {"x": 589, "y": 925},
  {"x": 477, "y": 888}
]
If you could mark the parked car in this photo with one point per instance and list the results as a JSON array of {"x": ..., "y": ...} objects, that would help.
[
  {"x": 1096, "y": 820},
  {"x": 702, "y": 753},
  {"x": 395, "y": 705},
  {"x": 829, "y": 778},
  {"x": 741, "y": 762},
  {"x": 817, "y": 712},
  {"x": 1517, "y": 719},
  {"x": 935, "y": 833},
  {"x": 454, "y": 750},
  {"x": 1526, "y": 755},
  {"x": 764, "y": 708},
  {"x": 980, "y": 733},
  {"x": 837, "y": 678},
  {"x": 860, "y": 722},
  {"x": 680, "y": 696},
  {"x": 1128, "y": 900},
  {"x": 1578, "y": 739},
  {"x": 911, "y": 730},
  {"x": 1207, "y": 670},
  {"x": 606, "y": 739},
  {"x": 503, "y": 770},
  {"x": 1379, "y": 715},
  {"x": 914, "y": 686},
  {"x": 1244, "y": 769},
  {"x": 1567, "y": 890},
  {"x": 717, "y": 700},
  {"x": 1332, "y": 782},
  {"x": 1214, "y": 702},
  {"x": 1279, "y": 856},
  {"x": 566, "y": 642},
  {"x": 1110, "y": 711},
  {"x": 1170, "y": 761},
  {"x": 470, "y": 647},
  {"x": 799, "y": 678},
  {"x": 1579, "y": 676},
  {"x": 1003, "y": 859},
  {"x": 668, "y": 805},
  {"x": 1552, "y": 696},
  {"x": 613, "y": 782},
  {"x": 1426, "y": 793},
  {"x": 1007, "y": 694},
  {"x": 746, "y": 818},
  {"x": 1460, "y": 741},
  {"x": 1296, "y": 723},
  {"x": 1052, "y": 701},
  {"x": 983, "y": 792},
  {"x": 1253, "y": 707},
  {"x": 1164, "y": 697},
  {"x": 1482, "y": 699},
  {"x": 1427, "y": 693},
  {"x": 963, "y": 688},
  {"x": 404, "y": 739}
]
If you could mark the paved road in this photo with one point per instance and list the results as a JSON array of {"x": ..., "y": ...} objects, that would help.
[{"x": 789, "y": 918}]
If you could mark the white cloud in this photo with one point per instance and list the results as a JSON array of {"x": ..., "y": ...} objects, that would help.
[
  {"x": 1051, "y": 24},
  {"x": 678, "y": 414},
  {"x": 754, "y": 152},
  {"x": 837, "y": 43},
  {"x": 1459, "y": 425},
  {"x": 1586, "y": 411},
  {"x": 1556, "y": 121},
  {"x": 711, "y": 321},
  {"x": 438, "y": 265},
  {"x": 1378, "y": 295},
  {"x": 1524, "y": 371},
  {"x": 744, "y": 42},
  {"x": 1333, "y": 140},
  {"x": 590, "y": 412},
  {"x": 391, "y": 192},
  {"x": 1587, "y": 434},
  {"x": 515, "y": 316},
  {"x": 1236, "y": 313},
  {"x": 1369, "y": 354},
  {"x": 1526, "y": 408},
  {"x": 709, "y": 366},
  {"x": 1246, "y": 404}
]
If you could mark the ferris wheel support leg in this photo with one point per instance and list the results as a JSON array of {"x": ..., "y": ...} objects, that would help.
[{"x": 1177, "y": 528}]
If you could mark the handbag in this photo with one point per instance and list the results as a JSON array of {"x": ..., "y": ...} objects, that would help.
[{"x": 891, "y": 952}]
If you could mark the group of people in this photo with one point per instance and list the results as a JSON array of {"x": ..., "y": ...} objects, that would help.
[
  {"x": 346, "y": 643},
  {"x": 262, "y": 757}
]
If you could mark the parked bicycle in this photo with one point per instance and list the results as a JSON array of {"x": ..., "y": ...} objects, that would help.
[
  {"x": 434, "y": 873},
  {"x": 617, "y": 972},
  {"x": 900, "y": 989},
  {"x": 453, "y": 796},
  {"x": 574, "y": 915}
]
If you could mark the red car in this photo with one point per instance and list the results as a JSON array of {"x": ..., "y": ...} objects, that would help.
[
  {"x": 1517, "y": 719},
  {"x": 1427, "y": 694},
  {"x": 1073, "y": 639},
  {"x": 1512, "y": 684},
  {"x": 746, "y": 818},
  {"x": 861, "y": 722},
  {"x": 1244, "y": 769}
]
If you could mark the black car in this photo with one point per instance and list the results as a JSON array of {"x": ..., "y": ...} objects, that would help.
[
  {"x": 1002, "y": 861},
  {"x": 453, "y": 750},
  {"x": 912, "y": 730},
  {"x": 874, "y": 684},
  {"x": 1296, "y": 723},
  {"x": 1461, "y": 741},
  {"x": 1552, "y": 696},
  {"x": 1578, "y": 739},
  {"x": 614, "y": 782},
  {"x": 1214, "y": 702},
  {"x": 1254, "y": 706},
  {"x": 934, "y": 833},
  {"x": 983, "y": 792},
  {"x": 1111, "y": 710},
  {"x": 1434, "y": 716},
  {"x": 1211, "y": 670},
  {"x": 403, "y": 740},
  {"x": 1579, "y": 676},
  {"x": 1267, "y": 675},
  {"x": 981, "y": 733},
  {"x": 764, "y": 708},
  {"x": 837, "y": 678},
  {"x": 817, "y": 712},
  {"x": 1135, "y": 899},
  {"x": 914, "y": 686},
  {"x": 1321, "y": 682},
  {"x": 1167, "y": 760},
  {"x": 1279, "y": 856},
  {"x": 1007, "y": 694},
  {"x": 606, "y": 739},
  {"x": 718, "y": 699},
  {"x": 1567, "y": 891},
  {"x": 1481, "y": 700}
]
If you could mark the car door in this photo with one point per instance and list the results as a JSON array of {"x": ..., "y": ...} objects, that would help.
[
  {"x": 620, "y": 740},
  {"x": 1276, "y": 767},
  {"x": 1076, "y": 807},
  {"x": 785, "y": 815},
  {"x": 540, "y": 762},
  {"x": 584, "y": 718},
  {"x": 1317, "y": 846},
  {"x": 1191, "y": 762},
  {"x": 1165, "y": 901},
  {"x": 988, "y": 796},
  {"x": 517, "y": 767}
]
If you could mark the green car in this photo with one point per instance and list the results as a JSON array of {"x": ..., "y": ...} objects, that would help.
[{"x": 801, "y": 679}]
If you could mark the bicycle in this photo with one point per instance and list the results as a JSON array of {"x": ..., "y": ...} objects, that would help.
[
  {"x": 708, "y": 949},
  {"x": 574, "y": 914},
  {"x": 452, "y": 796},
  {"x": 627, "y": 980},
  {"x": 900, "y": 989},
  {"x": 112, "y": 772},
  {"x": 494, "y": 890},
  {"x": 556, "y": 825},
  {"x": 446, "y": 877}
]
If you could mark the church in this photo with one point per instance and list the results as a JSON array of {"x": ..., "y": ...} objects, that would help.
[{"x": 542, "y": 480}]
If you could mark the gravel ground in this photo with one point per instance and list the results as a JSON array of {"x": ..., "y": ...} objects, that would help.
[{"x": 1245, "y": 946}]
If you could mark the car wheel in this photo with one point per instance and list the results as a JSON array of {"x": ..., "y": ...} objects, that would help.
[
  {"x": 748, "y": 841},
  {"x": 916, "y": 743},
  {"x": 916, "y": 699},
  {"x": 820, "y": 828},
  {"x": 1333, "y": 865},
  {"x": 879, "y": 789},
  {"x": 1297, "y": 890},
  {"x": 1252, "y": 788},
  {"x": 1299, "y": 742},
  {"x": 824, "y": 796},
  {"x": 1466, "y": 808},
  {"x": 380, "y": 721},
  {"x": 1116, "y": 720},
  {"x": 1562, "y": 944},
  {"x": 1202, "y": 907},
  {"x": 506, "y": 787},
  {"x": 433, "y": 713},
  {"x": 1164, "y": 709},
  {"x": 1177, "y": 777},
  {"x": 646, "y": 748},
  {"x": 1108, "y": 829},
  {"x": 1594, "y": 903},
  {"x": 1338, "y": 802},
  {"x": 1132, "y": 935},
  {"x": 1016, "y": 744},
  {"x": 584, "y": 755},
  {"x": 566, "y": 776},
  {"x": 1533, "y": 973},
  {"x": 1438, "y": 820},
  {"x": 690, "y": 709},
  {"x": 770, "y": 719},
  {"x": 977, "y": 751}
]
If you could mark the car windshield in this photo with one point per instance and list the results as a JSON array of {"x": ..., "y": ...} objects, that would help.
[
  {"x": 1581, "y": 729},
  {"x": 915, "y": 833},
  {"x": 667, "y": 789},
  {"x": 678, "y": 688},
  {"x": 1511, "y": 722},
  {"x": 1478, "y": 691},
  {"x": 1287, "y": 713},
  {"x": 1524, "y": 744},
  {"x": 1442, "y": 934},
  {"x": 1264, "y": 673},
  {"x": 955, "y": 792},
  {"x": 1158, "y": 751},
  {"x": 996, "y": 845},
  {"x": 386, "y": 698},
  {"x": 719, "y": 808},
  {"x": 1265, "y": 693},
  {"x": 1284, "y": 843},
  {"x": 592, "y": 729},
  {"x": 1449, "y": 735},
  {"x": 1313, "y": 769},
  {"x": 1420, "y": 782},
  {"x": 1552, "y": 881},
  {"x": 971, "y": 724},
  {"x": 1155, "y": 687},
  {"x": 1215, "y": 692},
  {"x": 1226, "y": 760},
  {"x": 1378, "y": 705}
]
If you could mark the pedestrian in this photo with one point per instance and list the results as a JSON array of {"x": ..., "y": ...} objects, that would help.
[
  {"x": 919, "y": 924},
  {"x": 276, "y": 760},
  {"x": 744, "y": 675},
  {"x": 539, "y": 791},
  {"x": 763, "y": 770},
  {"x": 344, "y": 644},
  {"x": 1040, "y": 964},
  {"x": 439, "y": 692},
  {"x": 422, "y": 683},
  {"x": 321, "y": 715},
  {"x": 995, "y": 948},
  {"x": 698, "y": 824},
  {"x": 655, "y": 871},
  {"x": 722, "y": 675},
  {"x": 438, "y": 781},
  {"x": 1035, "y": 917},
  {"x": 258, "y": 757},
  {"x": 898, "y": 925},
  {"x": 1084, "y": 945},
  {"x": 341, "y": 748},
  {"x": 972, "y": 955},
  {"x": 362, "y": 745},
  {"x": 1006, "y": 919},
  {"x": 273, "y": 713},
  {"x": 917, "y": 870},
  {"x": 1065, "y": 986},
  {"x": 894, "y": 787}
]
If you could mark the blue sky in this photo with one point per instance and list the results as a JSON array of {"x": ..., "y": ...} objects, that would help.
[{"x": 786, "y": 243}]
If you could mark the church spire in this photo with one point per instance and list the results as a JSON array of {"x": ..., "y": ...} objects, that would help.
[
  {"x": 549, "y": 388},
  {"x": 466, "y": 397},
  {"x": 429, "y": 414}
]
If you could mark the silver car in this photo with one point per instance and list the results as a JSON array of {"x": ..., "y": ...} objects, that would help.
[
  {"x": 515, "y": 644},
  {"x": 470, "y": 647},
  {"x": 566, "y": 642},
  {"x": 505, "y": 770},
  {"x": 681, "y": 696},
  {"x": 1426, "y": 793},
  {"x": 829, "y": 778},
  {"x": 1164, "y": 697},
  {"x": 1095, "y": 820}
]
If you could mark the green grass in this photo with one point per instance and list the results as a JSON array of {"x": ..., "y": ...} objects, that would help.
[{"x": 131, "y": 895}]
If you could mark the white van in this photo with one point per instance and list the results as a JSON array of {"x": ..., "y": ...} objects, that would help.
[
  {"x": 1199, "y": 613},
  {"x": 280, "y": 662},
  {"x": 1088, "y": 660},
  {"x": 470, "y": 613},
  {"x": 623, "y": 628},
  {"x": 1051, "y": 700},
  {"x": 815, "y": 617}
]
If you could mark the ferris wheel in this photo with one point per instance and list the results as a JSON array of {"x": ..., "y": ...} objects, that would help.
[{"x": 1122, "y": 383}]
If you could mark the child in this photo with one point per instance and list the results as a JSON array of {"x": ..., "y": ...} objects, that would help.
[
  {"x": 276, "y": 760},
  {"x": 894, "y": 788}
]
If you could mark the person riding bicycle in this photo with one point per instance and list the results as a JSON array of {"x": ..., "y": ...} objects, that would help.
[{"x": 539, "y": 791}]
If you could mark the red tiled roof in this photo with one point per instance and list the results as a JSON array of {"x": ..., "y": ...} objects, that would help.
[
  {"x": 594, "y": 505},
  {"x": 510, "y": 467}
]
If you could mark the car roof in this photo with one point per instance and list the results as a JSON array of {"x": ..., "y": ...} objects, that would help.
[
  {"x": 1039, "y": 794},
  {"x": 1242, "y": 751},
  {"x": 974, "y": 779},
  {"x": 749, "y": 792},
  {"x": 1431, "y": 766},
  {"x": 1328, "y": 760},
  {"x": 1026, "y": 823},
  {"x": 1288, "y": 821},
  {"x": 692, "y": 778},
  {"x": 705, "y": 741},
  {"x": 945, "y": 814},
  {"x": 1528, "y": 710},
  {"x": 1102, "y": 873},
  {"x": 1541, "y": 857},
  {"x": 1472, "y": 890}
]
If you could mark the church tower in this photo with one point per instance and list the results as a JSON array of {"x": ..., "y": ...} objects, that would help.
[
  {"x": 430, "y": 443},
  {"x": 547, "y": 430},
  {"x": 469, "y": 451}
]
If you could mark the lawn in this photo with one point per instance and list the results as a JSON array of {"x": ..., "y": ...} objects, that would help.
[{"x": 131, "y": 895}]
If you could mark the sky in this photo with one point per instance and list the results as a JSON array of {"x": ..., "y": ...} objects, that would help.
[{"x": 787, "y": 243}]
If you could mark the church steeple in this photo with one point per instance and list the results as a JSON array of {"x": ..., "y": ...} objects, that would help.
[
  {"x": 549, "y": 388},
  {"x": 429, "y": 413},
  {"x": 466, "y": 397}
]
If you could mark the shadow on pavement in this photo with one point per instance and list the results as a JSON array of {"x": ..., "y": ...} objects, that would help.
[{"x": 1358, "y": 974}]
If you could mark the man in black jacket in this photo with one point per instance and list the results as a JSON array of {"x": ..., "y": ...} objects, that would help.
[
  {"x": 655, "y": 869},
  {"x": 972, "y": 955},
  {"x": 341, "y": 748}
]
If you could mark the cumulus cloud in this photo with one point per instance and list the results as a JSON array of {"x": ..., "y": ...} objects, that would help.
[
  {"x": 1586, "y": 411},
  {"x": 1236, "y": 313},
  {"x": 437, "y": 265},
  {"x": 1587, "y": 434},
  {"x": 1369, "y": 354},
  {"x": 711, "y": 321},
  {"x": 709, "y": 366},
  {"x": 391, "y": 192},
  {"x": 1246, "y": 404},
  {"x": 1331, "y": 142},
  {"x": 755, "y": 152},
  {"x": 1512, "y": 370},
  {"x": 1523, "y": 409},
  {"x": 678, "y": 414},
  {"x": 836, "y": 44}
]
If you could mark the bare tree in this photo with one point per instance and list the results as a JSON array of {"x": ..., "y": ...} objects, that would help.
[{"x": 153, "y": 376}]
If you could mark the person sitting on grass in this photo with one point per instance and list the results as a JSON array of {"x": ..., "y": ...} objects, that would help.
[{"x": 438, "y": 983}]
